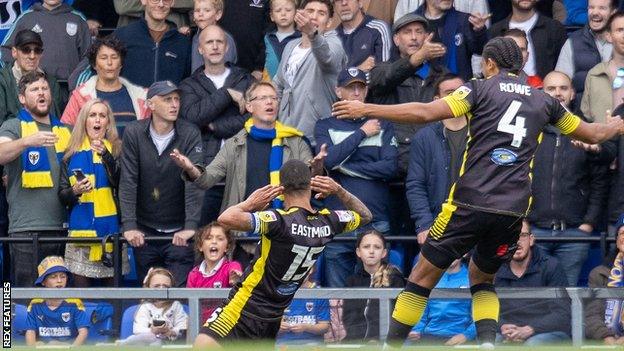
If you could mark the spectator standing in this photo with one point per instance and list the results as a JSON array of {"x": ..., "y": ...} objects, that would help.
[
  {"x": 248, "y": 161},
  {"x": 60, "y": 28},
  {"x": 309, "y": 68},
  {"x": 447, "y": 321},
  {"x": 207, "y": 13},
  {"x": 435, "y": 158},
  {"x": 214, "y": 243},
  {"x": 31, "y": 149},
  {"x": 248, "y": 22},
  {"x": 283, "y": 15},
  {"x": 99, "y": 14},
  {"x": 569, "y": 189},
  {"x": 130, "y": 11},
  {"x": 156, "y": 50},
  {"x": 608, "y": 274},
  {"x": 554, "y": 9},
  {"x": 106, "y": 56},
  {"x": 529, "y": 321},
  {"x": 546, "y": 36},
  {"x": 588, "y": 46},
  {"x": 606, "y": 76},
  {"x": 88, "y": 188},
  {"x": 361, "y": 157},
  {"x": 212, "y": 99},
  {"x": 26, "y": 51},
  {"x": 404, "y": 7},
  {"x": 156, "y": 321},
  {"x": 55, "y": 321},
  {"x": 365, "y": 39},
  {"x": 154, "y": 200},
  {"x": 520, "y": 37},
  {"x": 361, "y": 317},
  {"x": 462, "y": 34}
]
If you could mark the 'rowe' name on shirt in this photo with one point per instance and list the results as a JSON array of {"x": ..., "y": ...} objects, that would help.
[{"x": 310, "y": 232}]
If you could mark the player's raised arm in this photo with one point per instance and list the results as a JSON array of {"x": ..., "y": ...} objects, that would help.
[
  {"x": 239, "y": 216},
  {"x": 596, "y": 133},
  {"x": 326, "y": 186},
  {"x": 413, "y": 112}
]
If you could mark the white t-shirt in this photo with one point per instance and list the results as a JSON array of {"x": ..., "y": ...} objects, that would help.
[
  {"x": 527, "y": 26},
  {"x": 174, "y": 317},
  {"x": 161, "y": 141},
  {"x": 294, "y": 61},
  {"x": 219, "y": 79}
]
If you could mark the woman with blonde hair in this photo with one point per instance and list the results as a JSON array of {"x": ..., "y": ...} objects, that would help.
[{"x": 88, "y": 184}]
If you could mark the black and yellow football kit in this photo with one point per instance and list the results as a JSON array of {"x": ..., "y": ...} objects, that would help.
[
  {"x": 486, "y": 205},
  {"x": 290, "y": 243}
]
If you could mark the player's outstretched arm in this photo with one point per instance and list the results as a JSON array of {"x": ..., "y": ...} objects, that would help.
[
  {"x": 596, "y": 133},
  {"x": 413, "y": 112},
  {"x": 238, "y": 217},
  {"x": 325, "y": 186}
]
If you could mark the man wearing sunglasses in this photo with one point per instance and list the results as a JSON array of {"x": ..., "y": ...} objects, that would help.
[{"x": 26, "y": 50}]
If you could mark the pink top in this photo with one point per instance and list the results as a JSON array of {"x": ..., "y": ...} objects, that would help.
[{"x": 219, "y": 277}]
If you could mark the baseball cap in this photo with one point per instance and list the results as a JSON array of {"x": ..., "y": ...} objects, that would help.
[
  {"x": 407, "y": 19},
  {"x": 163, "y": 87},
  {"x": 25, "y": 37},
  {"x": 49, "y": 265},
  {"x": 350, "y": 75}
]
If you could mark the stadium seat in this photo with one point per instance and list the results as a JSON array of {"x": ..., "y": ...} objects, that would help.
[
  {"x": 127, "y": 320},
  {"x": 395, "y": 257},
  {"x": 18, "y": 324},
  {"x": 101, "y": 318}
]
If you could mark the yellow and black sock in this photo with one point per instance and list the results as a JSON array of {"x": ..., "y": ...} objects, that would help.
[
  {"x": 408, "y": 309},
  {"x": 485, "y": 309}
]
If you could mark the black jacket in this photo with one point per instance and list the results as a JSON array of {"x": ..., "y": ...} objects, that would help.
[
  {"x": 548, "y": 37},
  {"x": 397, "y": 82},
  {"x": 151, "y": 190},
  {"x": 361, "y": 317},
  {"x": 543, "y": 315},
  {"x": 203, "y": 104},
  {"x": 568, "y": 183}
]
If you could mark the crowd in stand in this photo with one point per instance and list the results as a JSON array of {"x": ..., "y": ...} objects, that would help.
[{"x": 190, "y": 106}]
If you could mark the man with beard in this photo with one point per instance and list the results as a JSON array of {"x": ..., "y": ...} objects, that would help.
[
  {"x": 546, "y": 36},
  {"x": 31, "y": 146},
  {"x": 588, "y": 46}
]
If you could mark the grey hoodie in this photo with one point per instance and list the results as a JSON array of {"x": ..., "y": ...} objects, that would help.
[{"x": 65, "y": 36}]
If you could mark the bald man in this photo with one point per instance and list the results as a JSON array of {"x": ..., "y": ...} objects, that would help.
[
  {"x": 569, "y": 189},
  {"x": 212, "y": 99}
]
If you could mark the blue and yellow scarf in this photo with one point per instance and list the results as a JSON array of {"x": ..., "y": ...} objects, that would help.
[
  {"x": 35, "y": 162},
  {"x": 614, "y": 309},
  {"x": 95, "y": 215},
  {"x": 277, "y": 135}
]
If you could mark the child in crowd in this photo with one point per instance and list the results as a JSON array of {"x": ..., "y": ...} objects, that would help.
[
  {"x": 447, "y": 321},
  {"x": 55, "y": 321},
  {"x": 215, "y": 271},
  {"x": 156, "y": 321},
  {"x": 207, "y": 13},
  {"x": 305, "y": 320},
  {"x": 361, "y": 317},
  {"x": 283, "y": 15}
]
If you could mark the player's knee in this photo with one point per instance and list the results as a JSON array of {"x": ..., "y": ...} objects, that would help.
[
  {"x": 425, "y": 273},
  {"x": 477, "y": 275},
  {"x": 203, "y": 341}
]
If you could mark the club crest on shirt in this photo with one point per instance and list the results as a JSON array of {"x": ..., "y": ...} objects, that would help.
[
  {"x": 71, "y": 28},
  {"x": 309, "y": 306},
  {"x": 65, "y": 316},
  {"x": 256, "y": 3},
  {"x": 267, "y": 216},
  {"x": 33, "y": 157},
  {"x": 461, "y": 92},
  {"x": 459, "y": 39},
  {"x": 217, "y": 285}
]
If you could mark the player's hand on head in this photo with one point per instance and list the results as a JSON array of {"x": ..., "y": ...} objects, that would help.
[
  {"x": 348, "y": 109},
  {"x": 259, "y": 199},
  {"x": 324, "y": 186}
]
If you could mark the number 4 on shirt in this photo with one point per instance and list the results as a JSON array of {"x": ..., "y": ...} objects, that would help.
[{"x": 506, "y": 123}]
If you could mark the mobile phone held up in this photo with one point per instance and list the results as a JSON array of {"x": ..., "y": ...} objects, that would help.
[
  {"x": 158, "y": 322},
  {"x": 78, "y": 174}
]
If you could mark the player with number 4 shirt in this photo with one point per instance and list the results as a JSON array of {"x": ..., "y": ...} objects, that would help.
[
  {"x": 291, "y": 241},
  {"x": 486, "y": 204}
]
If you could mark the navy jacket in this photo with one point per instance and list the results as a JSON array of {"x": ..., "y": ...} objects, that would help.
[
  {"x": 428, "y": 183},
  {"x": 361, "y": 165},
  {"x": 456, "y": 31},
  {"x": 370, "y": 38},
  {"x": 147, "y": 62},
  {"x": 543, "y": 315}
]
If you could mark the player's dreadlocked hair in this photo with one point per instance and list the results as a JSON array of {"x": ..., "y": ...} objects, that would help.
[{"x": 505, "y": 52}]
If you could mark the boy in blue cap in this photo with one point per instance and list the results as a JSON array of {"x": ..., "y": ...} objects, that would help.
[{"x": 55, "y": 321}]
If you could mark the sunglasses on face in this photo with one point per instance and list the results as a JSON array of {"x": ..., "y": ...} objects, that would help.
[{"x": 28, "y": 49}]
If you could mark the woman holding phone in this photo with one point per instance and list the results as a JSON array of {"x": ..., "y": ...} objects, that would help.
[{"x": 88, "y": 187}]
